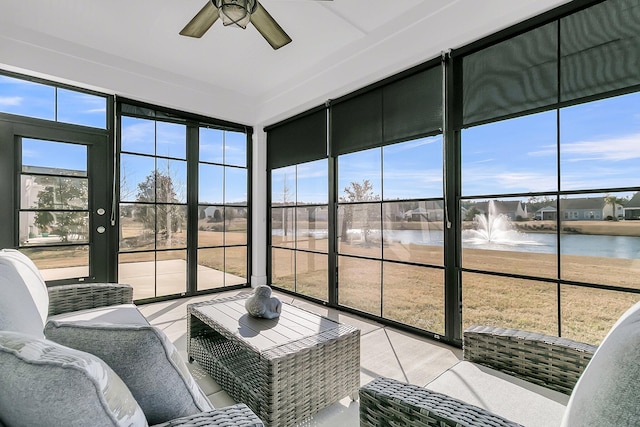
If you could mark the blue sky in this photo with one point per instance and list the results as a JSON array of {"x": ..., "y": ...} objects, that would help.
[
  {"x": 54, "y": 155},
  {"x": 140, "y": 135},
  {"x": 418, "y": 162},
  {"x": 37, "y": 100},
  {"x": 600, "y": 148}
]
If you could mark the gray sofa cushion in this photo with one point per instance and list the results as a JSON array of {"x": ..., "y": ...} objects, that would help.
[
  {"x": 146, "y": 361},
  {"x": 608, "y": 392},
  {"x": 44, "y": 383},
  {"x": 510, "y": 397}
]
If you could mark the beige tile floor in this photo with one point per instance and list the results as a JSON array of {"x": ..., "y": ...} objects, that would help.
[{"x": 384, "y": 351}]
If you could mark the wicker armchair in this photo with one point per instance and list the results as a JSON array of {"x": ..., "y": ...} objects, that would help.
[
  {"x": 238, "y": 415},
  {"x": 83, "y": 296},
  {"x": 100, "y": 350},
  {"x": 552, "y": 362}
]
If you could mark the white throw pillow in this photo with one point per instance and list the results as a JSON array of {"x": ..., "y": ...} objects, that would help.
[{"x": 25, "y": 300}]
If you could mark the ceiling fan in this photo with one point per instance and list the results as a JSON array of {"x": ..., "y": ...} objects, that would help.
[{"x": 238, "y": 13}]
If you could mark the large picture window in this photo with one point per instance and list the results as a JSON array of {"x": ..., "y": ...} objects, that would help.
[
  {"x": 162, "y": 160},
  {"x": 547, "y": 203},
  {"x": 390, "y": 237},
  {"x": 300, "y": 228},
  {"x": 511, "y": 199},
  {"x": 153, "y": 207},
  {"x": 299, "y": 205},
  {"x": 222, "y": 208}
]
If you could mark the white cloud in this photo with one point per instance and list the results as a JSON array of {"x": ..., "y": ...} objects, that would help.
[
  {"x": 613, "y": 149},
  {"x": 477, "y": 162},
  {"x": 487, "y": 181},
  {"x": 311, "y": 172},
  {"x": 397, "y": 148},
  {"x": 547, "y": 150},
  {"x": 10, "y": 101},
  {"x": 530, "y": 181},
  {"x": 415, "y": 175},
  {"x": 140, "y": 132},
  {"x": 30, "y": 154}
]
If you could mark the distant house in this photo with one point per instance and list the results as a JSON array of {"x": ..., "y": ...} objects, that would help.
[
  {"x": 589, "y": 209},
  {"x": 546, "y": 213},
  {"x": 512, "y": 209},
  {"x": 428, "y": 211},
  {"x": 417, "y": 214},
  {"x": 632, "y": 207},
  {"x": 393, "y": 212}
]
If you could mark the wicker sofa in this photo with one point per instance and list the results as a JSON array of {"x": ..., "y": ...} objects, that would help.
[
  {"x": 96, "y": 361},
  {"x": 511, "y": 377}
]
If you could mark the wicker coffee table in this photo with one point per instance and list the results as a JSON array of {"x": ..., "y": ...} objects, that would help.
[{"x": 284, "y": 369}]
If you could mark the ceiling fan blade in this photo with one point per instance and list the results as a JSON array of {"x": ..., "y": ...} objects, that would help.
[
  {"x": 269, "y": 28},
  {"x": 201, "y": 22}
]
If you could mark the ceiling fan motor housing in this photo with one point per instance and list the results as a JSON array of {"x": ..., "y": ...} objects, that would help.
[{"x": 236, "y": 12}]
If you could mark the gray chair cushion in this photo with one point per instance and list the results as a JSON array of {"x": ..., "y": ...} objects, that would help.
[
  {"x": 144, "y": 358},
  {"x": 121, "y": 314},
  {"x": 44, "y": 383},
  {"x": 608, "y": 392},
  {"x": 504, "y": 395}
]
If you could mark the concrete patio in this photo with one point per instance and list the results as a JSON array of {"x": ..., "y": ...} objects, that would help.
[{"x": 385, "y": 351}]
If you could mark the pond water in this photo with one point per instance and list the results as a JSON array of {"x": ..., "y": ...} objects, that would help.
[{"x": 571, "y": 244}]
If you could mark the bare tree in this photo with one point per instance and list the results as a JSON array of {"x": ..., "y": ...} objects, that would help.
[
  {"x": 285, "y": 201},
  {"x": 159, "y": 187},
  {"x": 359, "y": 192}
]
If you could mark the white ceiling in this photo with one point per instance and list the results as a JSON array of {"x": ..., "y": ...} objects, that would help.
[{"x": 131, "y": 48}]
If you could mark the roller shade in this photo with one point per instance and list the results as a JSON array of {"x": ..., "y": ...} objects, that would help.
[
  {"x": 599, "y": 53},
  {"x": 303, "y": 139},
  {"x": 511, "y": 77},
  {"x": 356, "y": 124},
  {"x": 600, "y": 49},
  {"x": 399, "y": 110},
  {"x": 412, "y": 106}
]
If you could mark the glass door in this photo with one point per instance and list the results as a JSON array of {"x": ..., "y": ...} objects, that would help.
[{"x": 63, "y": 202}]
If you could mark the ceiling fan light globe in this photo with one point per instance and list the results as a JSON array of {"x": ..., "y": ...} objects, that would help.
[{"x": 236, "y": 12}]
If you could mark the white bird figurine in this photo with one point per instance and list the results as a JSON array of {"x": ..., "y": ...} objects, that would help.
[{"x": 262, "y": 304}]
